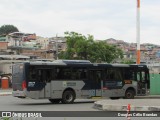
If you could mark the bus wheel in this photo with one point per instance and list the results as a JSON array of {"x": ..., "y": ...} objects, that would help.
[
  {"x": 68, "y": 97},
  {"x": 129, "y": 94},
  {"x": 55, "y": 101}
]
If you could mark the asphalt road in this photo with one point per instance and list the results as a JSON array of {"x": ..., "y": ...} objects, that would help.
[{"x": 9, "y": 103}]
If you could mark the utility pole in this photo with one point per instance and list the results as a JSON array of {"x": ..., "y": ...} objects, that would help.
[
  {"x": 57, "y": 40},
  {"x": 138, "y": 33}
]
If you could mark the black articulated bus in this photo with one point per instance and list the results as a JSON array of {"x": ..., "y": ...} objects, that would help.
[{"x": 66, "y": 80}]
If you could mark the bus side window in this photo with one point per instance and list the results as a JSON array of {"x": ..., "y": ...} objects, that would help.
[
  {"x": 59, "y": 73},
  {"x": 138, "y": 76},
  {"x": 143, "y": 75},
  {"x": 67, "y": 74},
  {"x": 114, "y": 74},
  {"x": 32, "y": 73},
  {"x": 48, "y": 75},
  {"x": 111, "y": 75},
  {"x": 64, "y": 73},
  {"x": 39, "y": 75},
  {"x": 75, "y": 74},
  {"x": 81, "y": 73},
  {"x": 98, "y": 76},
  {"x": 44, "y": 75},
  {"x": 54, "y": 74},
  {"x": 118, "y": 75},
  {"x": 108, "y": 76}
]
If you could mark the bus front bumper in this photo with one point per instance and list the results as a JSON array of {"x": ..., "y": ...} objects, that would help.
[{"x": 19, "y": 94}]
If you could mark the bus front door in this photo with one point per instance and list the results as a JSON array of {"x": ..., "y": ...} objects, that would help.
[{"x": 141, "y": 83}]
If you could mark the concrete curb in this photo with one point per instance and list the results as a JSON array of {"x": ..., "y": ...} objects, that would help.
[
  {"x": 5, "y": 93},
  {"x": 148, "y": 97},
  {"x": 111, "y": 107}
]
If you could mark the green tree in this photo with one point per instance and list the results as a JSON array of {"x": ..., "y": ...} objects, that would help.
[
  {"x": 103, "y": 52},
  {"x": 77, "y": 46},
  {"x": 6, "y": 29},
  {"x": 82, "y": 47},
  {"x": 127, "y": 61}
]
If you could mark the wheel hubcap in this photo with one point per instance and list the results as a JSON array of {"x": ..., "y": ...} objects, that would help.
[
  {"x": 129, "y": 95},
  {"x": 69, "y": 97}
]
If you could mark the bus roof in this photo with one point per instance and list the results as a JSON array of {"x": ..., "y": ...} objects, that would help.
[
  {"x": 84, "y": 63},
  {"x": 61, "y": 62},
  {"x": 121, "y": 65},
  {"x": 72, "y": 61}
]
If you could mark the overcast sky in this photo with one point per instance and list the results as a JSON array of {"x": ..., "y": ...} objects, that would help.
[{"x": 101, "y": 18}]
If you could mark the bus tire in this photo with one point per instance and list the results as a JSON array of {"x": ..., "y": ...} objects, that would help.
[
  {"x": 129, "y": 94},
  {"x": 55, "y": 101},
  {"x": 68, "y": 97}
]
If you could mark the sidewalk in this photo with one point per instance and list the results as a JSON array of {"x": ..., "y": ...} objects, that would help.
[
  {"x": 140, "y": 103},
  {"x": 148, "y": 97},
  {"x": 5, "y": 92}
]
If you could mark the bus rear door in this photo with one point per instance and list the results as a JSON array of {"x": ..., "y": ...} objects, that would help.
[
  {"x": 40, "y": 81},
  {"x": 95, "y": 78}
]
